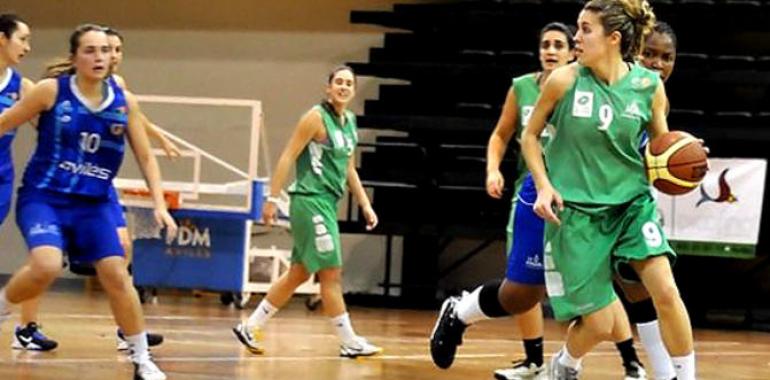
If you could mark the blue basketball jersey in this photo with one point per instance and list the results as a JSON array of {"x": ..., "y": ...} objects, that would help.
[
  {"x": 79, "y": 148},
  {"x": 10, "y": 91}
]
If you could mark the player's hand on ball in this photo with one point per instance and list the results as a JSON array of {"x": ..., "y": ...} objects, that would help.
[
  {"x": 371, "y": 218},
  {"x": 164, "y": 219},
  {"x": 495, "y": 184},
  {"x": 548, "y": 200}
]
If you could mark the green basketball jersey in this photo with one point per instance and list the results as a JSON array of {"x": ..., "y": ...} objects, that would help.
[
  {"x": 322, "y": 167},
  {"x": 526, "y": 90},
  {"x": 594, "y": 157}
]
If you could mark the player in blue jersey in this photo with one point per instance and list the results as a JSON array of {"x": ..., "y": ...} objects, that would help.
[
  {"x": 115, "y": 40},
  {"x": 14, "y": 46},
  {"x": 63, "y": 202}
]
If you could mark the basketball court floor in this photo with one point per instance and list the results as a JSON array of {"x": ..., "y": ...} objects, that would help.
[{"x": 300, "y": 344}]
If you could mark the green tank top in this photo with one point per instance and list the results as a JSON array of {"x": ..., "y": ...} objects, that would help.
[
  {"x": 322, "y": 167},
  {"x": 594, "y": 158},
  {"x": 526, "y": 90}
]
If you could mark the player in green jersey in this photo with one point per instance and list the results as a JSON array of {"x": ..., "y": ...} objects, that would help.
[
  {"x": 658, "y": 54},
  {"x": 322, "y": 147},
  {"x": 594, "y": 194},
  {"x": 523, "y": 287}
]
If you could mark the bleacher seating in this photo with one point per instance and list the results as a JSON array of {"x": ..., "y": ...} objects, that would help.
[{"x": 459, "y": 58}]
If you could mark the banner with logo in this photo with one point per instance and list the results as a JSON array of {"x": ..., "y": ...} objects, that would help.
[
  {"x": 722, "y": 216},
  {"x": 208, "y": 253}
]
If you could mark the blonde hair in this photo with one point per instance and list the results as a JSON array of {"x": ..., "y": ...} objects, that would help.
[{"x": 633, "y": 19}]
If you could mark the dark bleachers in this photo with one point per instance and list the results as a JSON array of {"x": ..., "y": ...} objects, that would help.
[{"x": 459, "y": 58}]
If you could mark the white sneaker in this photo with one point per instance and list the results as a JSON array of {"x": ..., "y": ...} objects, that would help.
[
  {"x": 147, "y": 370},
  {"x": 558, "y": 371},
  {"x": 358, "y": 347},
  {"x": 249, "y": 339},
  {"x": 522, "y": 370}
]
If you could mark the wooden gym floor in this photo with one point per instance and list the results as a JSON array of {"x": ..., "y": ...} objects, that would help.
[{"x": 300, "y": 345}]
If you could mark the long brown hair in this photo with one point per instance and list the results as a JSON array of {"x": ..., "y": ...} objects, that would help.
[{"x": 62, "y": 66}]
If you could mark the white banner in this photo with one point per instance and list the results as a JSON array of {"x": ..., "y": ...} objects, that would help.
[{"x": 725, "y": 208}]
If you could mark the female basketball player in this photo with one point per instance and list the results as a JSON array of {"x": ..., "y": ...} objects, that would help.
[
  {"x": 63, "y": 202},
  {"x": 14, "y": 45},
  {"x": 30, "y": 337},
  {"x": 599, "y": 107},
  {"x": 115, "y": 40},
  {"x": 659, "y": 51},
  {"x": 658, "y": 54},
  {"x": 523, "y": 288},
  {"x": 322, "y": 149}
]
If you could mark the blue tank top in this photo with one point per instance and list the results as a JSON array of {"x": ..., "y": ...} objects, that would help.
[
  {"x": 79, "y": 148},
  {"x": 10, "y": 91}
]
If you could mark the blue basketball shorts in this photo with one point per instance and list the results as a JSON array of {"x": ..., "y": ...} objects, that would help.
[
  {"x": 525, "y": 259},
  {"x": 116, "y": 208},
  {"x": 83, "y": 228}
]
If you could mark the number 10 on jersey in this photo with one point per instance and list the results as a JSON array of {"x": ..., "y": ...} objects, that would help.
[{"x": 89, "y": 142}]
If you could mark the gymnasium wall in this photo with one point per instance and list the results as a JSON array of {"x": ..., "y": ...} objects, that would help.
[{"x": 276, "y": 51}]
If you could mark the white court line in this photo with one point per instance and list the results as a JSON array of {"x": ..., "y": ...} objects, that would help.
[
  {"x": 385, "y": 338},
  {"x": 225, "y": 359},
  {"x": 234, "y": 359},
  {"x": 304, "y": 321}
]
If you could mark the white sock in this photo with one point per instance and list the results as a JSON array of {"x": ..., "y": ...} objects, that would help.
[
  {"x": 344, "y": 328},
  {"x": 469, "y": 310},
  {"x": 684, "y": 366},
  {"x": 566, "y": 359},
  {"x": 137, "y": 344},
  {"x": 261, "y": 315},
  {"x": 649, "y": 336}
]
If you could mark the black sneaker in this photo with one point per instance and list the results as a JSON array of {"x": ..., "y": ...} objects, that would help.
[
  {"x": 32, "y": 338},
  {"x": 635, "y": 371},
  {"x": 447, "y": 334},
  {"x": 152, "y": 340}
]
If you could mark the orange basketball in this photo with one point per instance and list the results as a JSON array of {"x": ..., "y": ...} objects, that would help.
[{"x": 676, "y": 162}]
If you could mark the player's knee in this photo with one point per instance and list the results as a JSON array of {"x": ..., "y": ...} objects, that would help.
[
  {"x": 600, "y": 324},
  {"x": 602, "y": 330},
  {"x": 299, "y": 278},
  {"x": 114, "y": 279},
  {"x": 45, "y": 269},
  {"x": 666, "y": 296},
  {"x": 518, "y": 298}
]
